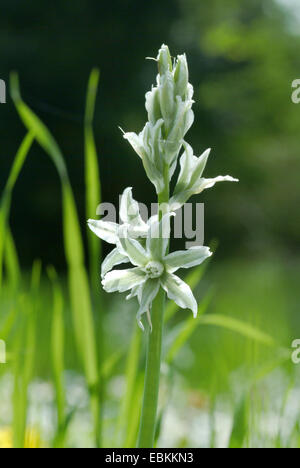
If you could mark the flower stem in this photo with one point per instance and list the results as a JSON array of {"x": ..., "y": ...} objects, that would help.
[{"x": 152, "y": 374}]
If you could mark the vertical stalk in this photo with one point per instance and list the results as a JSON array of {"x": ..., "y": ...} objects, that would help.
[{"x": 153, "y": 363}]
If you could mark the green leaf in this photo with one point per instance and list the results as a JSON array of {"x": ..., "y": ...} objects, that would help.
[
  {"x": 186, "y": 329},
  {"x": 242, "y": 328},
  {"x": 128, "y": 402},
  {"x": 74, "y": 251},
  {"x": 92, "y": 173},
  {"x": 240, "y": 425},
  {"x": 57, "y": 349},
  {"x": 11, "y": 261},
  {"x": 25, "y": 353},
  {"x": 7, "y": 194}
]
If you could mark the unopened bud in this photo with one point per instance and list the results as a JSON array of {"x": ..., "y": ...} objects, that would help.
[
  {"x": 164, "y": 60},
  {"x": 181, "y": 76},
  {"x": 153, "y": 106},
  {"x": 166, "y": 95}
]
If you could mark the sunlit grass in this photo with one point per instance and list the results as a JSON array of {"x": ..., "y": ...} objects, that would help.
[{"x": 219, "y": 371}]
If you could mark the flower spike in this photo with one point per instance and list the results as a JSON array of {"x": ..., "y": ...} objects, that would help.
[{"x": 146, "y": 245}]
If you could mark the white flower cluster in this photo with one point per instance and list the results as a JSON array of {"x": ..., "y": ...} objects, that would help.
[{"x": 145, "y": 245}]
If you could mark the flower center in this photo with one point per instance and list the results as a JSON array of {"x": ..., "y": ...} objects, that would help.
[{"x": 154, "y": 269}]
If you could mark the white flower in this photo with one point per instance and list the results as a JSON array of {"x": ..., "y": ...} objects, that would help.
[
  {"x": 154, "y": 268},
  {"x": 190, "y": 181},
  {"x": 148, "y": 145},
  {"x": 110, "y": 232}
]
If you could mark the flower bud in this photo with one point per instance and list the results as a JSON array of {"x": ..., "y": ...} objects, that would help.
[
  {"x": 166, "y": 97},
  {"x": 153, "y": 106},
  {"x": 181, "y": 76},
  {"x": 164, "y": 60}
]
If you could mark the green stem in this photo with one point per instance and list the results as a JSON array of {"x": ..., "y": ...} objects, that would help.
[
  {"x": 152, "y": 373},
  {"x": 152, "y": 376}
]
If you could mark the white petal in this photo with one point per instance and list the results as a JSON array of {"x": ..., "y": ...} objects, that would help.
[
  {"x": 106, "y": 230},
  {"x": 186, "y": 258},
  {"x": 137, "y": 232},
  {"x": 180, "y": 292},
  {"x": 149, "y": 291},
  {"x": 192, "y": 168},
  {"x": 134, "y": 292},
  {"x": 186, "y": 167},
  {"x": 129, "y": 210},
  {"x": 180, "y": 198},
  {"x": 199, "y": 166},
  {"x": 131, "y": 247},
  {"x": 136, "y": 142},
  {"x": 208, "y": 183},
  {"x": 122, "y": 280},
  {"x": 113, "y": 258},
  {"x": 189, "y": 120},
  {"x": 159, "y": 236}
]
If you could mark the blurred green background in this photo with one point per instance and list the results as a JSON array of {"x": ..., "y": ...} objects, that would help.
[{"x": 243, "y": 56}]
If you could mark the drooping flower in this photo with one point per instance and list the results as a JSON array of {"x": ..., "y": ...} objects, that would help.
[
  {"x": 154, "y": 268},
  {"x": 190, "y": 181},
  {"x": 110, "y": 231}
]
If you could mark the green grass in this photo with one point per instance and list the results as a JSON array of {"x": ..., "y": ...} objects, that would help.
[{"x": 225, "y": 364}]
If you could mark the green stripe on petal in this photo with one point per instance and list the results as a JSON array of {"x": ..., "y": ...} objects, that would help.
[
  {"x": 132, "y": 248},
  {"x": 123, "y": 280},
  {"x": 113, "y": 258},
  {"x": 178, "y": 291},
  {"x": 149, "y": 291},
  {"x": 186, "y": 258},
  {"x": 159, "y": 236},
  {"x": 106, "y": 230}
]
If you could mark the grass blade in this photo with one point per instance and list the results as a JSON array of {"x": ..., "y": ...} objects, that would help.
[
  {"x": 78, "y": 279},
  {"x": 240, "y": 425},
  {"x": 25, "y": 359},
  {"x": 242, "y": 328},
  {"x": 57, "y": 354},
  {"x": 131, "y": 374},
  {"x": 7, "y": 194},
  {"x": 11, "y": 261},
  {"x": 92, "y": 177},
  {"x": 187, "y": 329}
]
